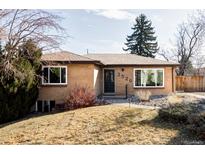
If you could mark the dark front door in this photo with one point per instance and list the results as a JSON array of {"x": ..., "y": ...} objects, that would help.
[{"x": 109, "y": 81}]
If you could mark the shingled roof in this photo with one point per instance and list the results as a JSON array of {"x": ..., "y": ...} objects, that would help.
[
  {"x": 127, "y": 59},
  {"x": 65, "y": 56},
  {"x": 105, "y": 59}
]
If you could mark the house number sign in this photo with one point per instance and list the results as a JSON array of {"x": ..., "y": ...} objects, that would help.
[{"x": 126, "y": 78}]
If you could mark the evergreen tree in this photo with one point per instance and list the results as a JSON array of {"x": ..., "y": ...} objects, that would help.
[
  {"x": 0, "y": 47},
  {"x": 142, "y": 41},
  {"x": 19, "y": 92}
]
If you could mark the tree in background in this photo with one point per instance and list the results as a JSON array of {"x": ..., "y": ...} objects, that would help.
[
  {"x": 142, "y": 41},
  {"x": 24, "y": 35},
  {"x": 16, "y": 26},
  {"x": 189, "y": 70},
  {"x": 189, "y": 41},
  {"x": 199, "y": 62}
]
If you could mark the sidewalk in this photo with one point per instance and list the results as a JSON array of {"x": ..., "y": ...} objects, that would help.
[
  {"x": 195, "y": 94},
  {"x": 136, "y": 106}
]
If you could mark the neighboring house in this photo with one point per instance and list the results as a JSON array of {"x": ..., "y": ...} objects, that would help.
[{"x": 106, "y": 74}]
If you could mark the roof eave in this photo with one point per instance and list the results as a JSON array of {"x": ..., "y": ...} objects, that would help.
[
  {"x": 142, "y": 65},
  {"x": 70, "y": 62}
]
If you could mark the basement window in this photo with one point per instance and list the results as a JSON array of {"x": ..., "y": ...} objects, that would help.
[
  {"x": 45, "y": 106},
  {"x": 54, "y": 75},
  {"x": 149, "y": 77}
]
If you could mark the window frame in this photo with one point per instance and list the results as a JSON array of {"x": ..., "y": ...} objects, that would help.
[
  {"x": 43, "y": 102},
  {"x": 66, "y": 77},
  {"x": 155, "y": 69}
]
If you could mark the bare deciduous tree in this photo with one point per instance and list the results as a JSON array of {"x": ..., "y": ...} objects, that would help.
[
  {"x": 30, "y": 24},
  {"x": 189, "y": 42},
  {"x": 3, "y": 13},
  {"x": 18, "y": 26},
  {"x": 165, "y": 54},
  {"x": 198, "y": 63}
]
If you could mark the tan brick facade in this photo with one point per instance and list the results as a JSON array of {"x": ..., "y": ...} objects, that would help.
[
  {"x": 78, "y": 74},
  {"x": 92, "y": 75},
  {"x": 124, "y": 75}
]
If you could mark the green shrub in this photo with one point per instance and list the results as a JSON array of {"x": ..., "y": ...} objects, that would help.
[
  {"x": 197, "y": 124},
  {"x": 18, "y": 104},
  {"x": 19, "y": 89},
  {"x": 177, "y": 113},
  {"x": 187, "y": 114}
]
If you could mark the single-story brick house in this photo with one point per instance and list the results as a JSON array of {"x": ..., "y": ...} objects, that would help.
[{"x": 106, "y": 74}]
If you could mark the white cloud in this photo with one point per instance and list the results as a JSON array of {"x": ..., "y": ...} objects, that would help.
[{"x": 114, "y": 14}]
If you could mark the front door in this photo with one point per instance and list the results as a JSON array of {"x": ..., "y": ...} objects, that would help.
[{"x": 109, "y": 81}]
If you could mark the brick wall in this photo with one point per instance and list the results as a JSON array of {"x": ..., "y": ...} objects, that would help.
[
  {"x": 78, "y": 74},
  {"x": 92, "y": 76},
  {"x": 126, "y": 77}
]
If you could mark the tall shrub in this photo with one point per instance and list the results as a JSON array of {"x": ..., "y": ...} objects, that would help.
[{"x": 19, "y": 92}]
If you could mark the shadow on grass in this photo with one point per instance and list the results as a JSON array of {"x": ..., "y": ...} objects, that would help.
[
  {"x": 134, "y": 116},
  {"x": 183, "y": 137},
  {"x": 29, "y": 116},
  {"x": 36, "y": 115}
]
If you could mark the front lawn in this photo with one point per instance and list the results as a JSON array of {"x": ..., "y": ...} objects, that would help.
[{"x": 110, "y": 124}]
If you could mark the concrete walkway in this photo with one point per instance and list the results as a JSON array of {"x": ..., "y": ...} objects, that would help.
[
  {"x": 195, "y": 94},
  {"x": 126, "y": 103},
  {"x": 137, "y": 106}
]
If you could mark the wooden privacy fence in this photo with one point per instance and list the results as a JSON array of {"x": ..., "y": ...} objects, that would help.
[{"x": 190, "y": 83}]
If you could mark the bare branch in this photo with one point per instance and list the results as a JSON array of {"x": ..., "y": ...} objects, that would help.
[
  {"x": 164, "y": 54},
  {"x": 31, "y": 23},
  {"x": 18, "y": 26},
  {"x": 189, "y": 41}
]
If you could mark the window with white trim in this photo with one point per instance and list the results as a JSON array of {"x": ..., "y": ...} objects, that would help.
[
  {"x": 54, "y": 75},
  {"x": 147, "y": 77}
]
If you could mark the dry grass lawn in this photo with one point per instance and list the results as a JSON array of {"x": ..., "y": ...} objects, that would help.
[
  {"x": 179, "y": 98},
  {"x": 110, "y": 124}
]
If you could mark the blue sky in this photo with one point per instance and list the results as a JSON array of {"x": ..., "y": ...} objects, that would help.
[{"x": 105, "y": 30}]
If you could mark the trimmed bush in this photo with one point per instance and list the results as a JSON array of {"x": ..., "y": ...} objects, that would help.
[{"x": 80, "y": 97}]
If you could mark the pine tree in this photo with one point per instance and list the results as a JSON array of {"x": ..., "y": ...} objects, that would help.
[{"x": 142, "y": 41}]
